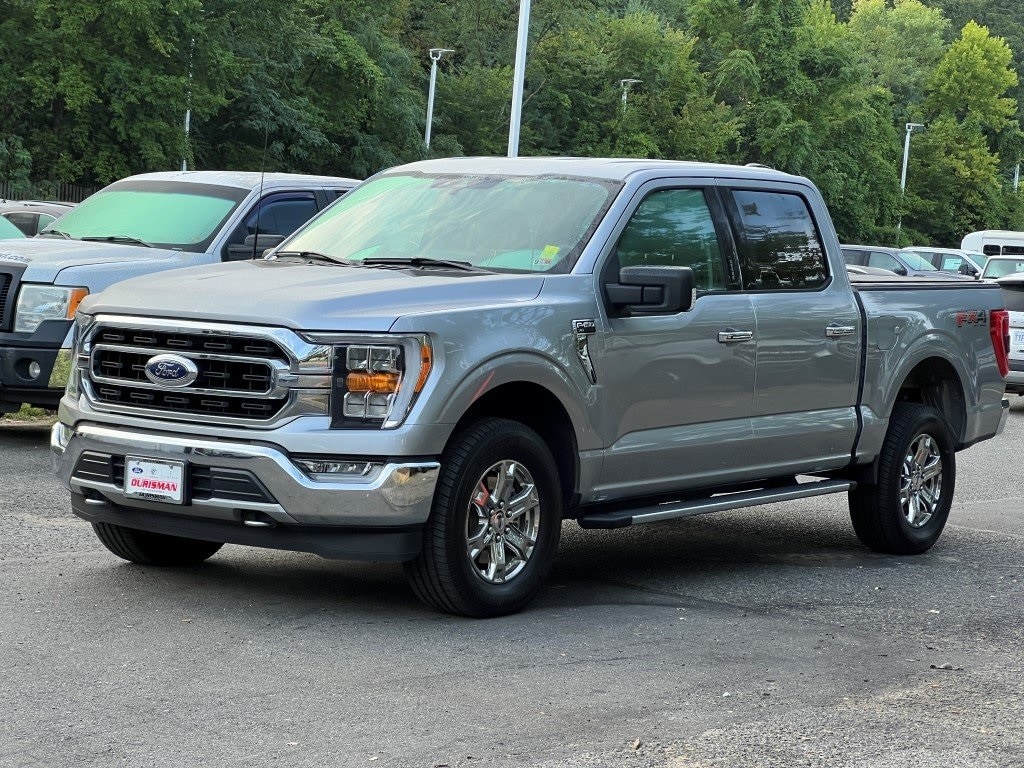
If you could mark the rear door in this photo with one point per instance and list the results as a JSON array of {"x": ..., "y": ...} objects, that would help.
[
  {"x": 676, "y": 387},
  {"x": 808, "y": 330}
]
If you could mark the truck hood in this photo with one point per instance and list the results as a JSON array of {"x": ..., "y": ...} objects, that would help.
[
  {"x": 46, "y": 257},
  {"x": 311, "y": 297}
]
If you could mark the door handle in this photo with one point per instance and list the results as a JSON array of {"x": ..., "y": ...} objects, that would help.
[
  {"x": 834, "y": 331},
  {"x": 729, "y": 335}
]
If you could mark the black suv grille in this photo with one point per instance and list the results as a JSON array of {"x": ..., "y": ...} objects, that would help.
[
  {"x": 236, "y": 374},
  {"x": 6, "y": 280}
]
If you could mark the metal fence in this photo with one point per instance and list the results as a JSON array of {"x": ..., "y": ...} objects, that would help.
[{"x": 45, "y": 190}]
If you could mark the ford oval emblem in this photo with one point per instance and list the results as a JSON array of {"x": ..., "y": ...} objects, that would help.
[{"x": 171, "y": 370}]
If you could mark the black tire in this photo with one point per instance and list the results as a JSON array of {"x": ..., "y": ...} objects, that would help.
[
  {"x": 445, "y": 575},
  {"x": 148, "y": 548},
  {"x": 877, "y": 510}
]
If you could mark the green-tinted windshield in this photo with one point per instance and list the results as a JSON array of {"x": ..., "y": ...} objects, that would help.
[
  {"x": 514, "y": 223},
  {"x": 166, "y": 214},
  {"x": 8, "y": 230},
  {"x": 917, "y": 261}
]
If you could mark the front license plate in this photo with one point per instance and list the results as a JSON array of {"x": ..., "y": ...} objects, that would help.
[{"x": 154, "y": 479}]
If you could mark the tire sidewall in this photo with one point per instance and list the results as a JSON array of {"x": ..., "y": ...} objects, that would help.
[
  {"x": 525, "y": 447},
  {"x": 931, "y": 424}
]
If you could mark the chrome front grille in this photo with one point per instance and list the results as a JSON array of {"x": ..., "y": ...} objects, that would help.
[{"x": 245, "y": 376}]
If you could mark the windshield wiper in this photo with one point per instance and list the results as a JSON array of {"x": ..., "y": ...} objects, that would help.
[
  {"x": 118, "y": 239},
  {"x": 56, "y": 232},
  {"x": 314, "y": 256},
  {"x": 420, "y": 261}
]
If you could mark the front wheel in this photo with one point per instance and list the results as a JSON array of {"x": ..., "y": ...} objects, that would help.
[
  {"x": 905, "y": 511},
  {"x": 148, "y": 548},
  {"x": 494, "y": 527}
]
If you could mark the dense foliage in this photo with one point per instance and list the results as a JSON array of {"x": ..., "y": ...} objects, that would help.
[{"x": 92, "y": 90}]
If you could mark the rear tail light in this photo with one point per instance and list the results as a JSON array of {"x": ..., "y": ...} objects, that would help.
[{"x": 999, "y": 330}]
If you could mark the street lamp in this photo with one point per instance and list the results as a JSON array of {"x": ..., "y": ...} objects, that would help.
[
  {"x": 624, "y": 84},
  {"x": 911, "y": 127},
  {"x": 518, "y": 74},
  {"x": 435, "y": 56}
]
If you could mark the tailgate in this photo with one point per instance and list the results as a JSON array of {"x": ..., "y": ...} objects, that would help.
[{"x": 1013, "y": 297}]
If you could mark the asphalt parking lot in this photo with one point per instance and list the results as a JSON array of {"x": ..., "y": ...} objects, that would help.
[{"x": 765, "y": 637}]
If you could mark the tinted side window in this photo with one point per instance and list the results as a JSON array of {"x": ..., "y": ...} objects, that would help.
[
  {"x": 851, "y": 256},
  {"x": 1012, "y": 250},
  {"x": 278, "y": 214},
  {"x": 991, "y": 250},
  {"x": 780, "y": 248},
  {"x": 24, "y": 221},
  {"x": 883, "y": 260},
  {"x": 673, "y": 227}
]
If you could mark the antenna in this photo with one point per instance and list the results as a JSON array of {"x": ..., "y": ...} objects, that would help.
[{"x": 259, "y": 199}]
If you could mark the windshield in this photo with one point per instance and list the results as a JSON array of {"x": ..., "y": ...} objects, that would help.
[
  {"x": 504, "y": 223},
  {"x": 916, "y": 261},
  {"x": 1003, "y": 267},
  {"x": 8, "y": 230},
  {"x": 166, "y": 214}
]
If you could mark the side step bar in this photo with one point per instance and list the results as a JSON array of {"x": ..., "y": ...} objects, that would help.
[{"x": 621, "y": 518}]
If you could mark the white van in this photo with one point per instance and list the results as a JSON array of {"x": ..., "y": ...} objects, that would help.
[{"x": 995, "y": 242}]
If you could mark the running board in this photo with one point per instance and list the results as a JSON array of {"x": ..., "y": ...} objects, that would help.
[{"x": 621, "y": 518}]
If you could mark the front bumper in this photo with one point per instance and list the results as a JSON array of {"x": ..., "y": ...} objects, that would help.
[
  {"x": 45, "y": 389},
  {"x": 1015, "y": 378},
  {"x": 262, "y": 498}
]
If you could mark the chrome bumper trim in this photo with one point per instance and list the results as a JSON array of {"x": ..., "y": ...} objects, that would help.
[{"x": 400, "y": 493}]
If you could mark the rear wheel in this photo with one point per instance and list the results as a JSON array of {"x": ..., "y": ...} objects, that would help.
[
  {"x": 494, "y": 527},
  {"x": 148, "y": 548},
  {"x": 905, "y": 511}
]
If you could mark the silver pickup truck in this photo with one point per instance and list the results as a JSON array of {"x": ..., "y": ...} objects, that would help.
[
  {"x": 143, "y": 224},
  {"x": 463, "y": 353}
]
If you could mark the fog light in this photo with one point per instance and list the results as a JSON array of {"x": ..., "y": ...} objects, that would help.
[
  {"x": 339, "y": 469},
  {"x": 34, "y": 370}
]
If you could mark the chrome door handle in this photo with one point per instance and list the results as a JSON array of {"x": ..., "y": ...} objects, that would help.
[
  {"x": 834, "y": 331},
  {"x": 730, "y": 335}
]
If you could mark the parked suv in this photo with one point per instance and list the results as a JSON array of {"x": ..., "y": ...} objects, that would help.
[
  {"x": 903, "y": 262},
  {"x": 32, "y": 216},
  {"x": 955, "y": 260},
  {"x": 154, "y": 222}
]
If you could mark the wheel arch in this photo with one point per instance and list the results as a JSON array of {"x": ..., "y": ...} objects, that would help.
[
  {"x": 935, "y": 381},
  {"x": 538, "y": 408}
]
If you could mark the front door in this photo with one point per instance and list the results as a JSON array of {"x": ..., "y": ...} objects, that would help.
[{"x": 677, "y": 388}]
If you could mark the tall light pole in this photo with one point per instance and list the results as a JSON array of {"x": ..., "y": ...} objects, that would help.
[
  {"x": 911, "y": 127},
  {"x": 435, "y": 56},
  {"x": 624, "y": 84},
  {"x": 518, "y": 75},
  {"x": 188, "y": 103}
]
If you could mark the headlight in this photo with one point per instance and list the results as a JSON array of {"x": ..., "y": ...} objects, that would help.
[
  {"x": 376, "y": 382},
  {"x": 37, "y": 303}
]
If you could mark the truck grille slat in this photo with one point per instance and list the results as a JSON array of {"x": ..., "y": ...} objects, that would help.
[{"x": 237, "y": 375}]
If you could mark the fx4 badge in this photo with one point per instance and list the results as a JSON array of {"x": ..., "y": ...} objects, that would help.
[{"x": 972, "y": 317}]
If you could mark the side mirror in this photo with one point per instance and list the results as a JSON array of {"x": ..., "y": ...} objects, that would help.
[
  {"x": 646, "y": 290},
  {"x": 253, "y": 245},
  {"x": 901, "y": 271}
]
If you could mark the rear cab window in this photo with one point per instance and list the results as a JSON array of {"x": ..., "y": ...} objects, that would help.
[{"x": 778, "y": 241}]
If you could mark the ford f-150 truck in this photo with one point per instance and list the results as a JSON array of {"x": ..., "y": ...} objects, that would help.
[
  {"x": 461, "y": 354},
  {"x": 142, "y": 224}
]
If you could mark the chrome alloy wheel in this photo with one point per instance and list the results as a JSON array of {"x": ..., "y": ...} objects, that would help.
[
  {"x": 921, "y": 481},
  {"x": 503, "y": 522}
]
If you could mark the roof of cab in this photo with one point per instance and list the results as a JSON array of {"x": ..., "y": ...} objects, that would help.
[
  {"x": 243, "y": 179},
  {"x": 614, "y": 169}
]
